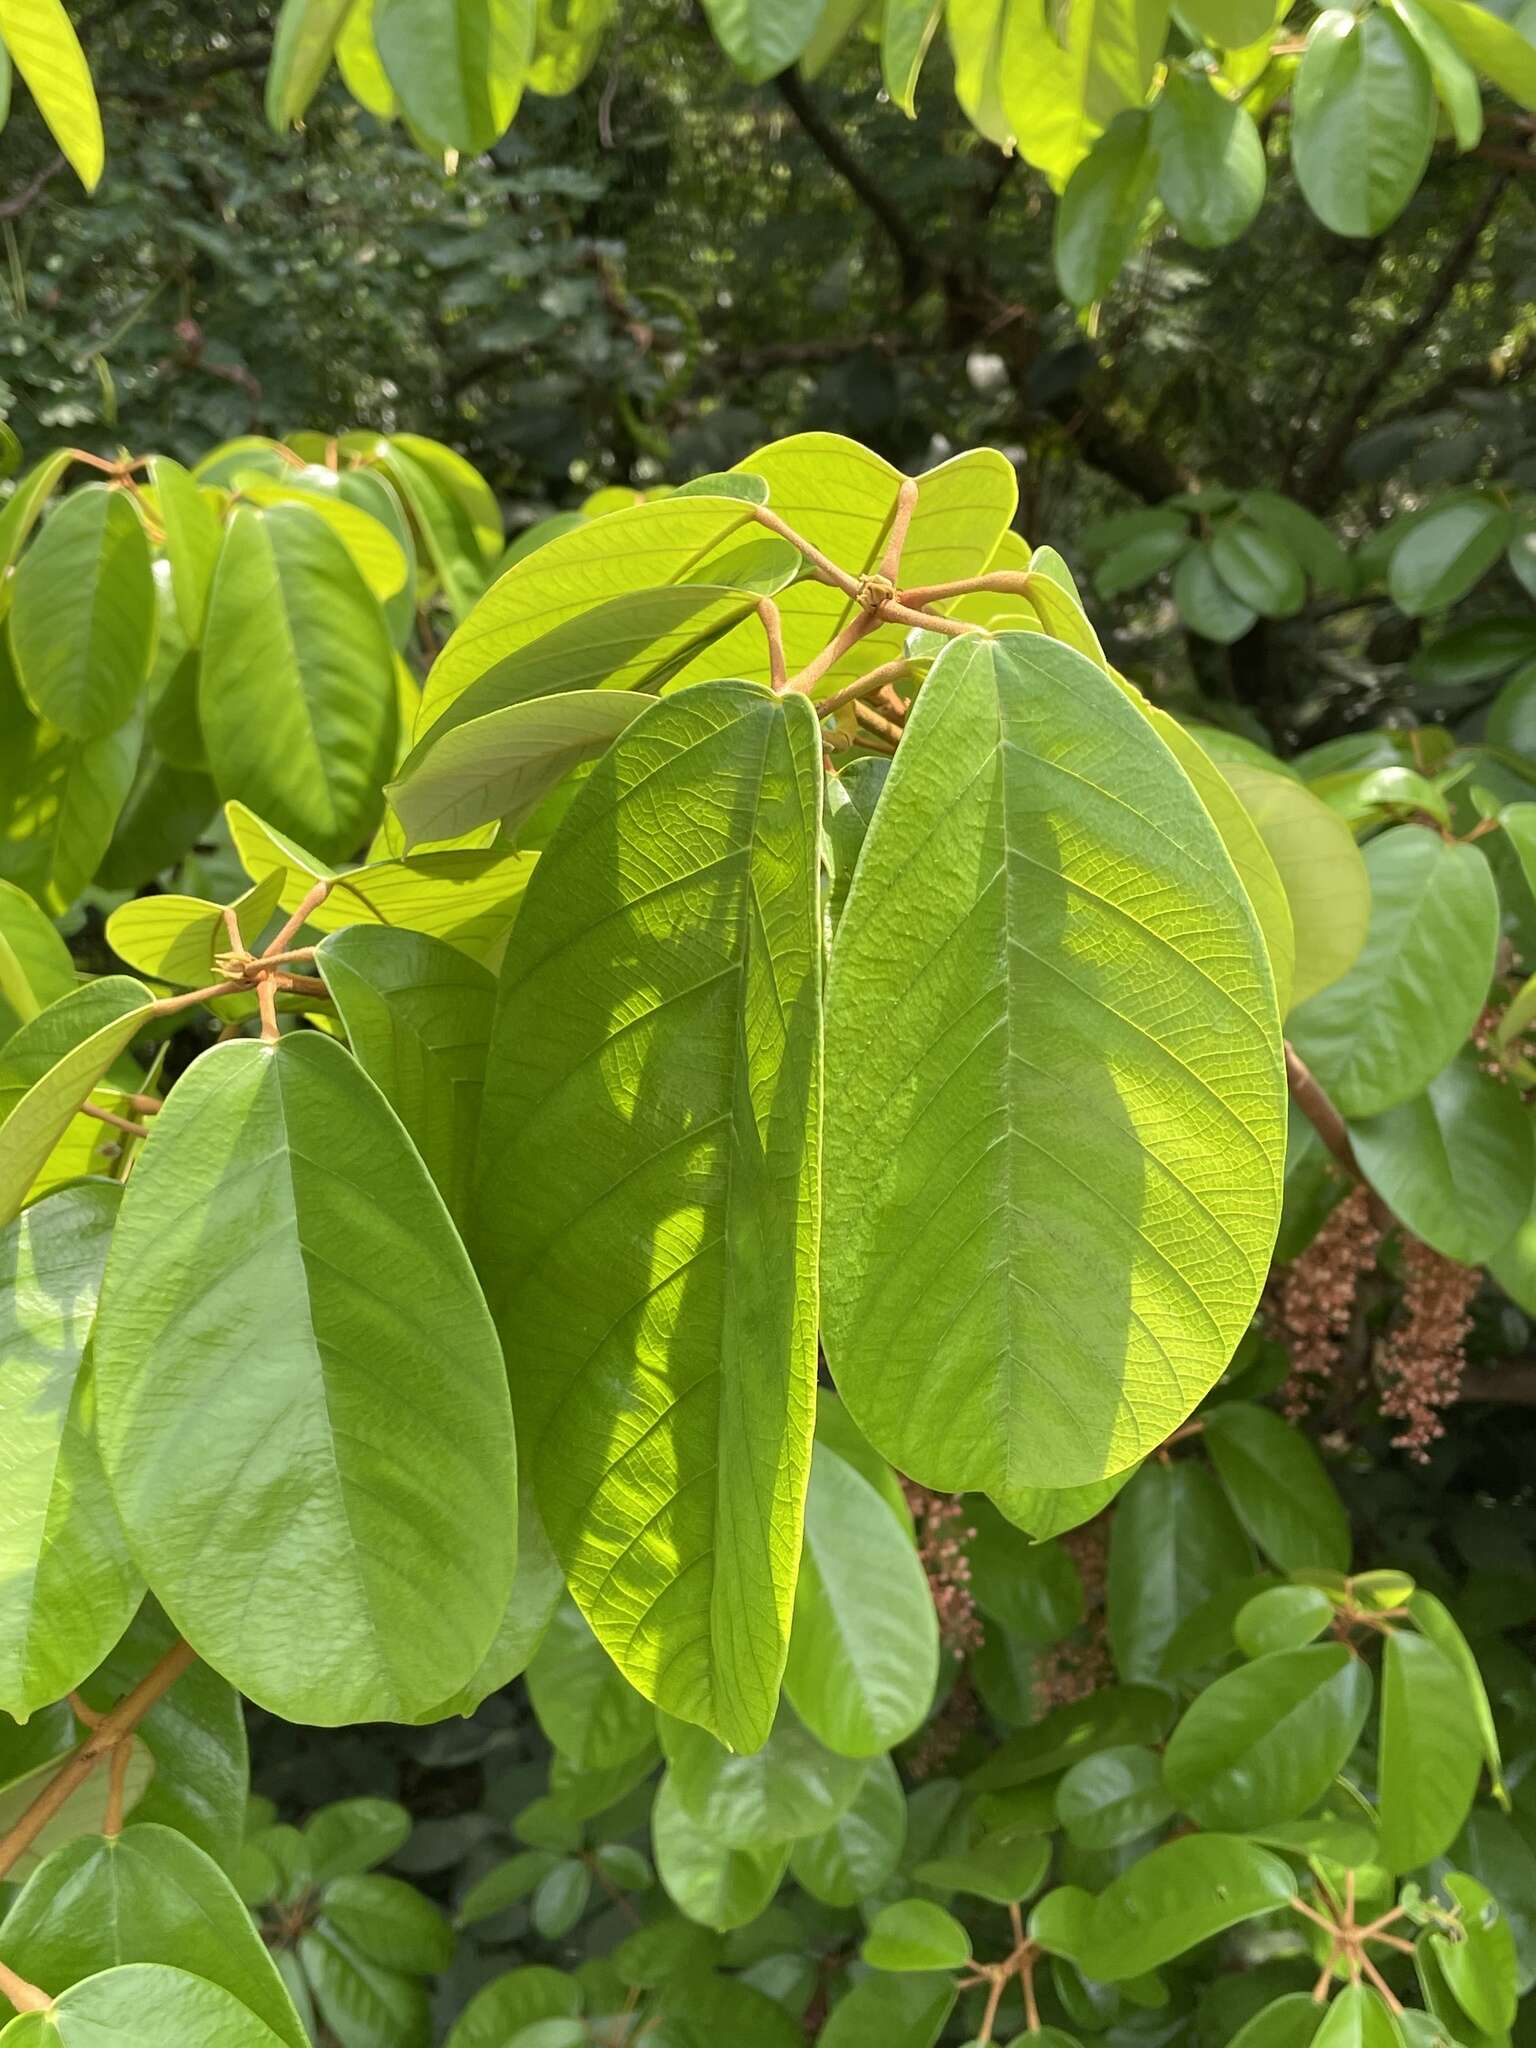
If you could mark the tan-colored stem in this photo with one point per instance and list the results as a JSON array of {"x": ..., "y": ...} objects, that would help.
[
  {"x": 858, "y": 628},
  {"x": 266, "y": 1001},
  {"x": 897, "y": 613},
  {"x": 117, "y": 1788},
  {"x": 310, "y": 902},
  {"x": 824, "y": 566},
  {"x": 113, "y": 1728},
  {"x": 875, "y": 721},
  {"x": 867, "y": 686},
  {"x": 906, "y": 505},
  {"x": 1013, "y": 582},
  {"x": 118, "y": 1123},
  {"x": 773, "y": 633},
  {"x": 24, "y": 1996}
]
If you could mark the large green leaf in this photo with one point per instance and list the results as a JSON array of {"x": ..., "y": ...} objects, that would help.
[
  {"x": 192, "y": 536},
  {"x": 648, "y": 1192},
  {"x": 389, "y": 1922},
  {"x": 916, "y": 1934},
  {"x": 1106, "y": 1719},
  {"x": 417, "y": 1014},
  {"x": 142, "y": 2005},
  {"x": 508, "y": 2004},
  {"x": 1060, "y": 993},
  {"x": 374, "y": 550},
  {"x": 792, "y": 1786},
  {"x": 1491, "y": 45},
  {"x": 501, "y": 766},
  {"x": 762, "y": 40},
  {"x": 67, "y": 1587},
  {"x": 1063, "y": 77},
  {"x": 536, "y": 1592},
  {"x": 1210, "y": 160},
  {"x": 1182, "y": 1893},
  {"x": 1363, "y": 122},
  {"x": 1326, "y": 882},
  {"x": 59, "y": 798},
  {"x": 884, "y": 2010},
  {"x": 1113, "y": 1797},
  {"x": 1379, "y": 1035},
  {"x": 1358, "y": 2018},
  {"x": 457, "y": 67},
  {"x": 296, "y": 688},
  {"x": 83, "y": 618},
  {"x": 50, "y": 1066},
  {"x": 1264, "y": 1742},
  {"x": 369, "y": 1463},
  {"x": 1457, "y": 1164},
  {"x": 1430, "y": 1752},
  {"x": 712, "y": 1882},
  {"x": 584, "y": 1703},
  {"x": 147, "y": 1895},
  {"x": 1174, "y": 1543},
  {"x": 1278, "y": 1487},
  {"x": 864, "y": 1648},
  {"x": 41, "y": 42}
]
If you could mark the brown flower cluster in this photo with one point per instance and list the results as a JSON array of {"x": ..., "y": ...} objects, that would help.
[
  {"x": 942, "y": 1535},
  {"x": 1420, "y": 1363},
  {"x": 1315, "y": 1297},
  {"x": 1078, "y": 1665}
]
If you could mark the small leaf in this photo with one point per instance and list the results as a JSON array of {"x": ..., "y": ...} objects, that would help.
[
  {"x": 457, "y": 67},
  {"x": 352, "y": 1836},
  {"x": 1099, "y": 215},
  {"x": 1479, "y": 1963},
  {"x": 792, "y": 1786},
  {"x": 1363, "y": 122},
  {"x": 1210, "y": 160},
  {"x": 1206, "y": 603},
  {"x": 761, "y": 41},
  {"x": 906, "y": 29},
  {"x": 712, "y": 1882},
  {"x": 389, "y": 1922},
  {"x": 1259, "y": 570},
  {"x": 1282, "y": 1618},
  {"x": 1112, "y": 1798},
  {"x": 1358, "y": 2018},
  {"x": 1004, "y": 1867},
  {"x": 499, "y": 2013},
  {"x": 302, "y": 45},
  {"x": 585, "y": 1705},
  {"x": 1447, "y": 553},
  {"x": 860, "y": 1850},
  {"x": 1278, "y": 1487},
  {"x": 915, "y": 1934},
  {"x": 1437, "y": 1622},
  {"x": 1326, "y": 882}
]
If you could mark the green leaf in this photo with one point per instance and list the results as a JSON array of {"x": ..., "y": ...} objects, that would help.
[
  {"x": 1308, "y": 539},
  {"x": 1139, "y": 559},
  {"x": 389, "y": 1922},
  {"x": 1174, "y": 1543},
  {"x": 792, "y": 1786},
  {"x": 628, "y": 1050},
  {"x": 1108, "y": 1719},
  {"x": 975, "y": 1381},
  {"x": 1363, "y": 123},
  {"x": 147, "y": 1895},
  {"x": 536, "y": 1592},
  {"x": 761, "y": 41},
  {"x": 192, "y": 536},
  {"x": 1457, "y": 1164},
  {"x": 1276, "y": 1483},
  {"x": 1379, "y": 1035},
  {"x": 83, "y": 618},
  {"x": 1182, "y": 1893},
  {"x": 891, "y": 2011},
  {"x": 302, "y": 46},
  {"x": 709, "y": 1880},
  {"x": 59, "y": 798},
  {"x": 855, "y": 1856},
  {"x": 50, "y": 1066},
  {"x": 1447, "y": 552},
  {"x": 1206, "y": 603},
  {"x": 142, "y": 2005},
  {"x": 1032, "y": 1588},
  {"x": 67, "y": 1587},
  {"x": 1479, "y": 1964},
  {"x": 351, "y": 1836},
  {"x": 560, "y": 1898},
  {"x": 1456, "y": 83},
  {"x": 1099, "y": 215},
  {"x": 569, "y": 35},
  {"x": 1437, "y": 1622},
  {"x": 906, "y": 29},
  {"x": 1259, "y": 570},
  {"x": 1490, "y": 45},
  {"x": 1326, "y": 882},
  {"x": 1230, "y": 24},
  {"x": 502, "y": 766},
  {"x": 1358, "y": 2018},
  {"x": 1047, "y": 1511},
  {"x": 1430, "y": 1752},
  {"x": 417, "y": 1014},
  {"x": 508, "y": 2004},
  {"x": 457, "y": 67},
  {"x": 44, "y": 48},
  {"x": 1497, "y": 1852},
  {"x": 296, "y": 688},
  {"x": 915, "y": 1934},
  {"x": 1112, "y": 1798},
  {"x": 178, "y": 938},
  {"x": 374, "y": 550},
  {"x": 195, "y": 1736},
  {"x": 1264, "y": 1742},
  {"x": 35, "y": 964},
  {"x": 1210, "y": 160},
  {"x": 1282, "y": 1618},
  {"x": 584, "y": 1703},
  {"x": 864, "y": 1645},
  {"x": 1003, "y": 1867},
  {"x": 323, "y": 1202},
  {"x": 359, "y": 2000}
]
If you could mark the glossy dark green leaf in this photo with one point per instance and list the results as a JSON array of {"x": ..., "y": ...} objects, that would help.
[
  {"x": 712, "y": 1882},
  {"x": 915, "y": 1934},
  {"x": 1437, "y": 1622},
  {"x": 1259, "y": 569},
  {"x": 1495, "y": 1849},
  {"x": 1107, "y": 1719},
  {"x": 1456, "y": 1164},
  {"x": 1210, "y": 160},
  {"x": 1264, "y": 1742},
  {"x": 560, "y": 1898},
  {"x": 1479, "y": 1963},
  {"x": 861, "y": 1849},
  {"x": 1182, "y": 1893},
  {"x": 1309, "y": 540},
  {"x": 1448, "y": 551},
  {"x": 1282, "y": 1618},
  {"x": 1206, "y": 602},
  {"x": 1363, "y": 120},
  {"x": 142, "y": 2005},
  {"x": 1099, "y": 215},
  {"x": 1380, "y": 1034},
  {"x": 1174, "y": 1543},
  {"x": 952, "y": 1363},
  {"x": 361, "y": 2002},
  {"x": 296, "y": 687},
  {"x": 1278, "y": 1487},
  {"x": 457, "y": 67},
  {"x": 864, "y": 1643},
  {"x": 417, "y": 1014},
  {"x": 82, "y": 622},
  {"x": 1430, "y": 1752},
  {"x": 1032, "y": 1588},
  {"x": 792, "y": 1786},
  {"x": 1004, "y": 1866},
  {"x": 67, "y": 1586},
  {"x": 1113, "y": 1797},
  {"x": 659, "y": 1017},
  {"x": 351, "y": 1836},
  {"x": 147, "y": 1895},
  {"x": 306, "y": 1463}
]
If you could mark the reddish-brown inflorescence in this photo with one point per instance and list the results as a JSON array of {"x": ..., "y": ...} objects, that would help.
[
  {"x": 1421, "y": 1362},
  {"x": 942, "y": 1535},
  {"x": 1081, "y": 1663},
  {"x": 1315, "y": 1297}
]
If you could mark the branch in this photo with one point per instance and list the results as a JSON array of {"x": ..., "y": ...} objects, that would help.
[
  {"x": 1317, "y": 481},
  {"x": 1309, "y": 1097},
  {"x": 18, "y": 202},
  {"x": 908, "y": 249}
]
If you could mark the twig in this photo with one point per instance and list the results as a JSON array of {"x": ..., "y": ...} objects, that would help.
[
  {"x": 310, "y": 902},
  {"x": 24, "y": 1996},
  {"x": 117, "y": 1788},
  {"x": 906, "y": 505},
  {"x": 773, "y": 633},
  {"x": 1314, "y": 1104},
  {"x": 824, "y": 565},
  {"x": 867, "y": 686},
  {"x": 118, "y": 1123}
]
